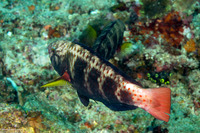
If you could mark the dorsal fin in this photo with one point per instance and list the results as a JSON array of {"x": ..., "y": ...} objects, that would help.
[{"x": 109, "y": 39}]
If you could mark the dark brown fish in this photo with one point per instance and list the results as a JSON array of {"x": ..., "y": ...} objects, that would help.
[{"x": 95, "y": 78}]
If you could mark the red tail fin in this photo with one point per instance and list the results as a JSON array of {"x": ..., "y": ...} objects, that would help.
[{"x": 160, "y": 103}]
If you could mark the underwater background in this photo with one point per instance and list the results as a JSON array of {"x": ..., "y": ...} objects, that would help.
[{"x": 161, "y": 47}]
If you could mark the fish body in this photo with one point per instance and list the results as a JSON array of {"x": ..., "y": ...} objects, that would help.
[{"x": 95, "y": 78}]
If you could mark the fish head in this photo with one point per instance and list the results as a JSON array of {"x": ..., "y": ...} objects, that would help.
[{"x": 58, "y": 55}]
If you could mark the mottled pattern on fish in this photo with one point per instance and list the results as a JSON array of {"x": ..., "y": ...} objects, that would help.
[
  {"x": 96, "y": 78},
  {"x": 109, "y": 39}
]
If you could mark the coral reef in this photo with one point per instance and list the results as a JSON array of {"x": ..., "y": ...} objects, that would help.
[
  {"x": 155, "y": 8},
  {"x": 163, "y": 41}
]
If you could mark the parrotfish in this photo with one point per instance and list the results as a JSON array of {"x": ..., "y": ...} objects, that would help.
[{"x": 94, "y": 77}]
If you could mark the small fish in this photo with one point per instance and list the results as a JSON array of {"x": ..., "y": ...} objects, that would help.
[{"x": 95, "y": 78}]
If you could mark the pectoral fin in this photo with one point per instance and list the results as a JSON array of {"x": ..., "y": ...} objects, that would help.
[{"x": 84, "y": 100}]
